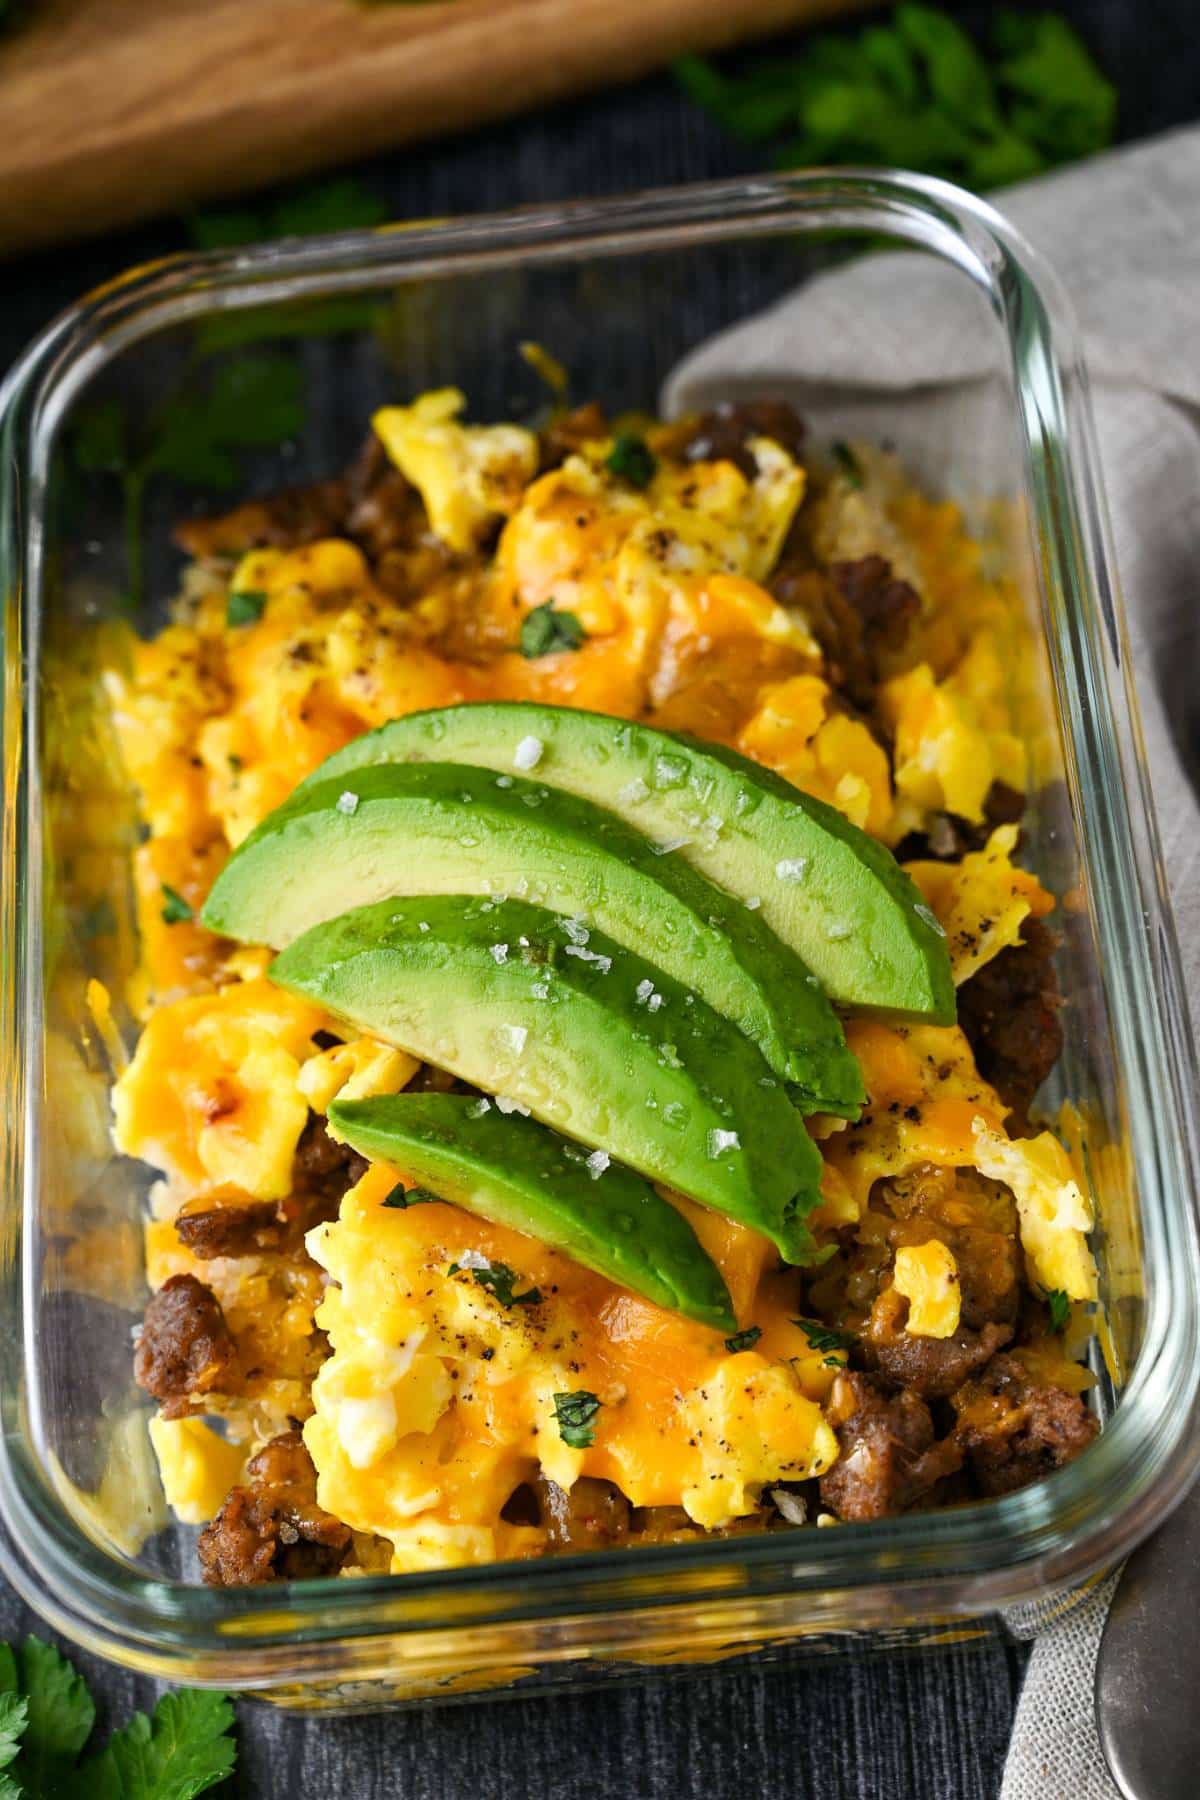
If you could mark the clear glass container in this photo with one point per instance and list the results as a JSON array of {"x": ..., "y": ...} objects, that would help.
[{"x": 313, "y": 334}]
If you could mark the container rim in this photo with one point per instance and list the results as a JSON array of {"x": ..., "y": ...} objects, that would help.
[{"x": 1035, "y": 1542}]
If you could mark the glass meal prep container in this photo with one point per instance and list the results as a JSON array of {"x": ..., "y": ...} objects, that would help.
[{"x": 619, "y": 292}]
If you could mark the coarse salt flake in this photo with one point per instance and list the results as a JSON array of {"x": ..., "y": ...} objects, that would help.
[
  {"x": 505, "y": 1105},
  {"x": 633, "y": 792},
  {"x": 528, "y": 753},
  {"x": 347, "y": 803},
  {"x": 478, "y": 1107},
  {"x": 930, "y": 918},
  {"x": 754, "y": 902},
  {"x": 644, "y": 989},
  {"x": 576, "y": 930},
  {"x": 515, "y": 1035},
  {"x": 720, "y": 1141},
  {"x": 791, "y": 868},
  {"x": 597, "y": 1162},
  {"x": 670, "y": 844},
  {"x": 500, "y": 953},
  {"x": 603, "y": 963}
]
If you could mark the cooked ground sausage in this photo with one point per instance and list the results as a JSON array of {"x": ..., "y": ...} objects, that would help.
[
  {"x": 568, "y": 432},
  {"x": 185, "y": 1347},
  {"x": 724, "y": 434},
  {"x": 1009, "y": 1012},
  {"x": 931, "y": 1367},
  {"x": 371, "y": 504},
  {"x": 1014, "y": 1430},
  {"x": 272, "y": 1528},
  {"x": 889, "y": 1459},
  {"x": 859, "y": 612},
  {"x": 211, "y": 1228},
  {"x": 326, "y": 1169},
  {"x": 592, "y": 1515}
]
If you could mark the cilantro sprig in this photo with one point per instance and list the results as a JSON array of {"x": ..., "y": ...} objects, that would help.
[
  {"x": 919, "y": 93},
  {"x": 544, "y": 631},
  {"x": 576, "y": 1415},
  {"x": 631, "y": 459},
  {"x": 196, "y": 437},
  {"x": 1060, "y": 1309},
  {"x": 46, "y": 1719},
  {"x": 743, "y": 1340}
]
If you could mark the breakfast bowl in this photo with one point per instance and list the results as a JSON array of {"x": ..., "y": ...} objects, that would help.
[{"x": 199, "y": 380}]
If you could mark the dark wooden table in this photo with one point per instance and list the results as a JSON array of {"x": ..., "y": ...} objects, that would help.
[{"x": 911, "y": 1727}]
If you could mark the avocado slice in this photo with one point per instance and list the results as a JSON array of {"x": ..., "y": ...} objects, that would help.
[
  {"x": 501, "y": 994},
  {"x": 436, "y": 828},
  {"x": 517, "y": 1173},
  {"x": 839, "y": 898}
]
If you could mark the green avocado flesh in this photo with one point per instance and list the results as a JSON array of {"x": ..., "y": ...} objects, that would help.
[
  {"x": 838, "y": 898},
  {"x": 438, "y": 828},
  {"x": 498, "y": 993},
  {"x": 516, "y": 1173}
]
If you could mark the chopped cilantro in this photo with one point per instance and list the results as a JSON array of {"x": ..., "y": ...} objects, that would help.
[
  {"x": 632, "y": 460},
  {"x": 498, "y": 1280},
  {"x": 245, "y": 606},
  {"x": 543, "y": 631},
  {"x": 1060, "y": 1309},
  {"x": 576, "y": 1417},
  {"x": 847, "y": 462},
  {"x": 46, "y": 1719},
  {"x": 918, "y": 92},
  {"x": 175, "y": 909},
  {"x": 743, "y": 1340},
  {"x": 401, "y": 1196},
  {"x": 824, "y": 1338}
]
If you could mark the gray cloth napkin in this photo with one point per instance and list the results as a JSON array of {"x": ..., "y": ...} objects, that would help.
[{"x": 1123, "y": 233}]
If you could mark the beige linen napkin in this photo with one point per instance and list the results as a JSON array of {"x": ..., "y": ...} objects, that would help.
[{"x": 1123, "y": 233}]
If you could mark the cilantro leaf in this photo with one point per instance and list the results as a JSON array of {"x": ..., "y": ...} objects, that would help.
[
  {"x": 631, "y": 459},
  {"x": 743, "y": 1340},
  {"x": 175, "y": 909},
  {"x": 245, "y": 606},
  {"x": 1060, "y": 1309},
  {"x": 179, "y": 1753},
  {"x": 401, "y": 1196},
  {"x": 500, "y": 1281},
  {"x": 14, "y": 1714},
  {"x": 824, "y": 1338},
  {"x": 61, "y": 1714},
  {"x": 544, "y": 631},
  {"x": 575, "y": 1414}
]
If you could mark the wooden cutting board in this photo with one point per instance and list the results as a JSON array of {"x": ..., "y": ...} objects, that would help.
[{"x": 113, "y": 110}]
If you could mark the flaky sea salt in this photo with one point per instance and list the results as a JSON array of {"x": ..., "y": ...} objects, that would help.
[
  {"x": 753, "y": 903},
  {"x": 500, "y": 953},
  {"x": 930, "y": 919},
  {"x": 528, "y": 753},
  {"x": 478, "y": 1107},
  {"x": 347, "y": 803},
  {"x": 633, "y": 792},
  {"x": 603, "y": 963},
  {"x": 515, "y": 1035},
  {"x": 791, "y": 868},
  {"x": 505, "y": 1105},
  {"x": 720, "y": 1141},
  {"x": 644, "y": 990},
  {"x": 576, "y": 930},
  {"x": 670, "y": 844},
  {"x": 597, "y": 1162}
]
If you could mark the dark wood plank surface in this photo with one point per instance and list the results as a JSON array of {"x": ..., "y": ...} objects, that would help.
[{"x": 911, "y": 1727}]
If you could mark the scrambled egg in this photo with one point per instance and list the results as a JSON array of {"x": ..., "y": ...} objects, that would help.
[
  {"x": 927, "y": 1276},
  {"x": 439, "y": 1397},
  {"x": 440, "y": 1393}
]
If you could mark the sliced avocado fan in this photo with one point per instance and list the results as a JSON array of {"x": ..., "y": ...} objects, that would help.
[
  {"x": 835, "y": 895},
  {"x": 437, "y": 828},
  {"x": 499, "y": 993},
  {"x": 514, "y": 1172}
]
